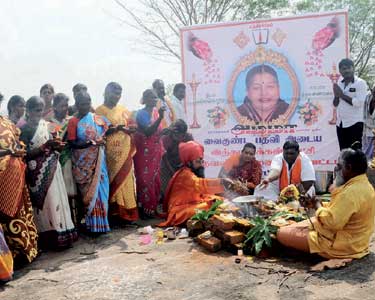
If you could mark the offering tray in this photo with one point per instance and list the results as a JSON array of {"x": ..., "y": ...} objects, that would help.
[{"x": 245, "y": 203}]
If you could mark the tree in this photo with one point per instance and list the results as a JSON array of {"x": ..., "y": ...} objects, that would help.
[
  {"x": 158, "y": 21},
  {"x": 361, "y": 29}
]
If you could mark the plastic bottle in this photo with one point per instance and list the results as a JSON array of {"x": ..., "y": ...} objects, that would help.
[{"x": 159, "y": 237}]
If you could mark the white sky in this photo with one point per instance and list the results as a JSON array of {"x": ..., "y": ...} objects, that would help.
[{"x": 68, "y": 41}]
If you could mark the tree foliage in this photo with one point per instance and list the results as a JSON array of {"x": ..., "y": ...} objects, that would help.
[
  {"x": 158, "y": 21},
  {"x": 361, "y": 29}
]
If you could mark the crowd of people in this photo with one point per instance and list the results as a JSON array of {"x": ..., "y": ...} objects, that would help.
[{"x": 67, "y": 170}]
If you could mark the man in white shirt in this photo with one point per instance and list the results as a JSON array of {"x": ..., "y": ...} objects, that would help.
[
  {"x": 179, "y": 92},
  {"x": 350, "y": 95},
  {"x": 289, "y": 167},
  {"x": 369, "y": 125}
]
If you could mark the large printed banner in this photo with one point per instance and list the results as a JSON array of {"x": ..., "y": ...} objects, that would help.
[{"x": 264, "y": 82}]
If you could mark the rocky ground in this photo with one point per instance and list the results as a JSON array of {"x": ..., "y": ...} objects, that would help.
[{"x": 115, "y": 266}]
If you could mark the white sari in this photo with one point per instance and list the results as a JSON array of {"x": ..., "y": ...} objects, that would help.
[{"x": 55, "y": 214}]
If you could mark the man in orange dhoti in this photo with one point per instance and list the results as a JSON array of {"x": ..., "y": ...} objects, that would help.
[
  {"x": 120, "y": 149},
  {"x": 188, "y": 190}
]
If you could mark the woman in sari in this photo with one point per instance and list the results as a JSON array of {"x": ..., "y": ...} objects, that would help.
[
  {"x": 16, "y": 108},
  {"x": 59, "y": 127},
  {"x": 170, "y": 162},
  {"x": 47, "y": 92},
  {"x": 243, "y": 167},
  {"x": 16, "y": 214},
  {"x": 120, "y": 150},
  {"x": 85, "y": 135},
  {"x": 148, "y": 157},
  {"x": 45, "y": 180}
]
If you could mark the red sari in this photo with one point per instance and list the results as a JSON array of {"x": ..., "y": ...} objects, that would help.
[{"x": 147, "y": 163}]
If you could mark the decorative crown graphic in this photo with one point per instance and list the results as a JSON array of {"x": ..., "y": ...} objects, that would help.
[{"x": 260, "y": 36}]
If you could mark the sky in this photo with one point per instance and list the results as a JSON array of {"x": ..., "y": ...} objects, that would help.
[{"x": 63, "y": 42}]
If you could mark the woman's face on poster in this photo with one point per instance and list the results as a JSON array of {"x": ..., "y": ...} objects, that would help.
[{"x": 263, "y": 92}]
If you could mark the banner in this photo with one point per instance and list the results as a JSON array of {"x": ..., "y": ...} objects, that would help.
[{"x": 264, "y": 82}]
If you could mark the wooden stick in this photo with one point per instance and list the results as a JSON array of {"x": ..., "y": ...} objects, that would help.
[
  {"x": 286, "y": 276},
  {"x": 43, "y": 279},
  {"x": 135, "y": 252}
]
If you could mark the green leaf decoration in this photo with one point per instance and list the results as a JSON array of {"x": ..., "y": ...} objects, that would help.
[
  {"x": 258, "y": 246},
  {"x": 203, "y": 215}
]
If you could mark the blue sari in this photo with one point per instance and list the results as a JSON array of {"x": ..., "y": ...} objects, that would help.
[{"x": 90, "y": 171}]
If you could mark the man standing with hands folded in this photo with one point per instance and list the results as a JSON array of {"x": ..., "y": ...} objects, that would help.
[{"x": 349, "y": 98}]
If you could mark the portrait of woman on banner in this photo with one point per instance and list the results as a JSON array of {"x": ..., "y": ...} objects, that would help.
[
  {"x": 264, "y": 89},
  {"x": 262, "y": 102}
]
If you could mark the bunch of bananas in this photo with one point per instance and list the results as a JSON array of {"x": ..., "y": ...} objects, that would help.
[{"x": 290, "y": 193}]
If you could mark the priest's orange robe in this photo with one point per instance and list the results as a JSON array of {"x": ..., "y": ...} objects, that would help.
[{"x": 187, "y": 192}]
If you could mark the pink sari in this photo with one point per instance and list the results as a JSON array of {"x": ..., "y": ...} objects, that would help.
[{"x": 147, "y": 164}]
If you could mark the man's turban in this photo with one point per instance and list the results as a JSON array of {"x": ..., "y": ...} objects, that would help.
[{"x": 190, "y": 151}]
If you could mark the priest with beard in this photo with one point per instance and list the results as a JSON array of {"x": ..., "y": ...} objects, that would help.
[{"x": 188, "y": 190}]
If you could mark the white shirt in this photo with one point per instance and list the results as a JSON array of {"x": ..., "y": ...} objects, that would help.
[
  {"x": 351, "y": 114},
  {"x": 307, "y": 174},
  {"x": 178, "y": 108},
  {"x": 307, "y": 168}
]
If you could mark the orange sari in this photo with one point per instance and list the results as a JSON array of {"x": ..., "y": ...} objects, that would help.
[
  {"x": 186, "y": 192},
  {"x": 15, "y": 206},
  {"x": 120, "y": 150}
]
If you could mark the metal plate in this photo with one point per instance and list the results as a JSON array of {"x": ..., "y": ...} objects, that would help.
[{"x": 245, "y": 199}]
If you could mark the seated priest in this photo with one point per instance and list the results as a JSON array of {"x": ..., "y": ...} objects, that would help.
[
  {"x": 188, "y": 190},
  {"x": 343, "y": 227},
  {"x": 170, "y": 161},
  {"x": 289, "y": 167},
  {"x": 244, "y": 167}
]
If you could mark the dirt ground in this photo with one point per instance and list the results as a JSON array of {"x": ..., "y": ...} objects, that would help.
[{"x": 115, "y": 266}]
